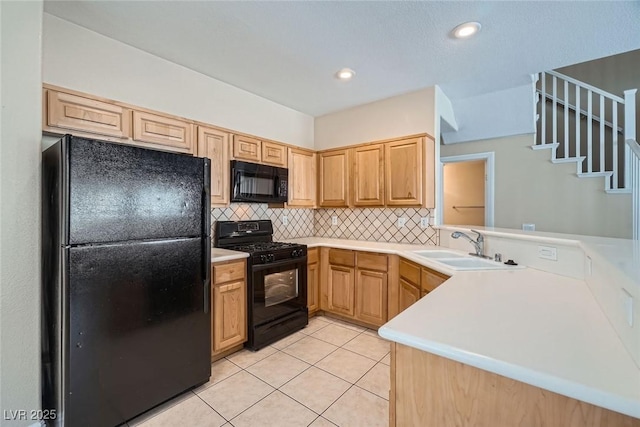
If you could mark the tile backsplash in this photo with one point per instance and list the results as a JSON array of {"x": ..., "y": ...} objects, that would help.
[
  {"x": 373, "y": 224},
  {"x": 300, "y": 221},
  {"x": 376, "y": 224}
]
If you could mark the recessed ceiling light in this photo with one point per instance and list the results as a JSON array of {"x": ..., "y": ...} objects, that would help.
[
  {"x": 345, "y": 74},
  {"x": 466, "y": 30}
]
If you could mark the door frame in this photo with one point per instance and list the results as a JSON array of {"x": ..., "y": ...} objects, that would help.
[{"x": 489, "y": 186}]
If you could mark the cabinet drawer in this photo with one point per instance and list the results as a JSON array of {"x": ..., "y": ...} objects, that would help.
[
  {"x": 312, "y": 255},
  {"x": 431, "y": 279},
  {"x": 342, "y": 257},
  {"x": 228, "y": 272},
  {"x": 274, "y": 154},
  {"x": 410, "y": 272},
  {"x": 371, "y": 261}
]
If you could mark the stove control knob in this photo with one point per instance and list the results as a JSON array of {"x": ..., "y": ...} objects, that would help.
[
  {"x": 272, "y": 257},
  {"x": 263, "y": 259}
]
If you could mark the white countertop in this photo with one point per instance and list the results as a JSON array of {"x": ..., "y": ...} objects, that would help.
[
  {"x": 536, "y": 327},
  {"x": 219, "y": 255}
]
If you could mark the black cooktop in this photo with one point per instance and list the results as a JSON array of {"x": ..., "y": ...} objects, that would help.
[{"x": 262, "y": 246}]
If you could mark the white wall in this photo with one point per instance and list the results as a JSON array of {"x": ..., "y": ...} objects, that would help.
[
  {"x": 20, "y": 158},
  {"x": 493, "y": 115},
  {"x": 76, "y": 58},
  {"x": 401, "y": 115},
  {"x": 531, "y": 189}
]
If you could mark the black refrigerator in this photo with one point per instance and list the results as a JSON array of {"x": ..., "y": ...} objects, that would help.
[{"x": 126, "y": 282}]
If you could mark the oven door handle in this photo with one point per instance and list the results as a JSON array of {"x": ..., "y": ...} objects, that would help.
[{"x": 284, "y": 263}]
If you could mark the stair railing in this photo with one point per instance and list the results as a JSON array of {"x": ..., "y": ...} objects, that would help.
[
  {"x": 570, "y": 101},
  {"x": 633, "y": 154}
]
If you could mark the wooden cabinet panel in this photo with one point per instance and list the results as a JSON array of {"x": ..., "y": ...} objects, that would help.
[
  {"x": 371, "y": 261},
  {"x": 340, "y": 290},
  {"x": 371, "y": 297},
  {"x": 214, "y": 144},
  {"x": 342, "y": 257},
  {"x": 313, "y": 281},
  {"x": 73, "y": 112},
  {"x": 431, "y": 279},
  {"x": 302, "y": 178},
  {"x": 274, "y": 154},
  {"x": 246, "y": 148},
  {"x": 429, "y": 390},
  {"x": 367, "y": 182},
  {"x": 229, "y": 318},
  {"x": 163, "y": 132},
  {"x": 334, "y": 178},
  {"x": 404, "y": 172},
  {"x": 228, "y": 272},
  {"x": 408, "y": 295},
  {"x": 410, "y": 272}
]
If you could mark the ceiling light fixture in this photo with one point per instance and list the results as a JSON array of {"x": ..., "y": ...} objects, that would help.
[
  {"x": 466, "y": 30},
  {"x": 345, "y": 74}
]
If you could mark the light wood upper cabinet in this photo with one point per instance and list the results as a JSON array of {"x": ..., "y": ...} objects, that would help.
[
  {"x": 302, "y": 178},
  {"x": 367, "y": 179},
  {"x": 163, "y": 132},
  {"x": 214, "y": 144},
  {"x": 77, "y": 113},
  {"x": 334, "y": 178},
  {"x": 404, "y": 172},
  {"x": 246, "y": 148},
  {"x": 274, "y": 154}
]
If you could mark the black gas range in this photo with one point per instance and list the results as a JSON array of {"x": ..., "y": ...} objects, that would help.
[{"x": 276, "y": 279}]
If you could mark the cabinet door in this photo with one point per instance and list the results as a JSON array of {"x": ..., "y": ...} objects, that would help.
[
  {"x": 340, "y": 289},
  {"x": 404, "y": 169},
  {"x": 313, "y": 288},
  {"x": 371, "y": 297},
  {"x": 367, "y": 184},
  {"x": 163, "y": 132},
  {"x": 334, "y": 181},
  {"x": 274, "y": 154},
  {"x": 302, "y": 178},
  {"x": 431, "y": 279},
  {"x": 246, "y": 148},
  {"x": 214, "y": 144},
  {"x": 73, "y": 112},
  {"x": 408, "y": 294},
  {"x": 229, "y": 319}
]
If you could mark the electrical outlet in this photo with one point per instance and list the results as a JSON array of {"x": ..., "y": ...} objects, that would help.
[
  {"x": 334, "y": 220},
  {"x": 424, "y": 222},
  {"x": 285, "y": 220},
  {"x": 401, "y": 222},
  {"x": 548, "y": 252}
]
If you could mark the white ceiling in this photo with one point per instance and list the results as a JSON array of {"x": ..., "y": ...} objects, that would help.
[{"x": 288, "y": 52}]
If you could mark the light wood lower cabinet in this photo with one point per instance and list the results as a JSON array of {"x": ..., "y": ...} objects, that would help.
[
  {"x": 340, "y": 286},
  {"x": 313, "y": 280},
  {"x": 415, "y": 281},
  {"x": 214, "y": 144},
  {"x": 163, "y": 132},
  {"x": 228, "y": 303},
  {"x": 408, "y": 295},
  {"x": 355, "y": 285},
  {"x": 433, "y": 391}
]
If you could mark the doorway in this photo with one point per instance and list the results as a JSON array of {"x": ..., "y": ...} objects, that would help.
[{"x": 467, "y": 190}]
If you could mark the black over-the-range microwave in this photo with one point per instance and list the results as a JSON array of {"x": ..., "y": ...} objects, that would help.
[{"x": 251, "y": 182}]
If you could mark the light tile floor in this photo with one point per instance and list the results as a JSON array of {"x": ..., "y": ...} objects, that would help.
[{"x": 331, "y": 373}]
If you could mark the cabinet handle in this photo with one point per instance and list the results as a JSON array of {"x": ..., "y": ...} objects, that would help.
[{"x": 230, "y": 287}]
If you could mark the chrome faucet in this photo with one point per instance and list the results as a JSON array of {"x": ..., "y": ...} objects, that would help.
[{"x": 478, "y": 244}]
